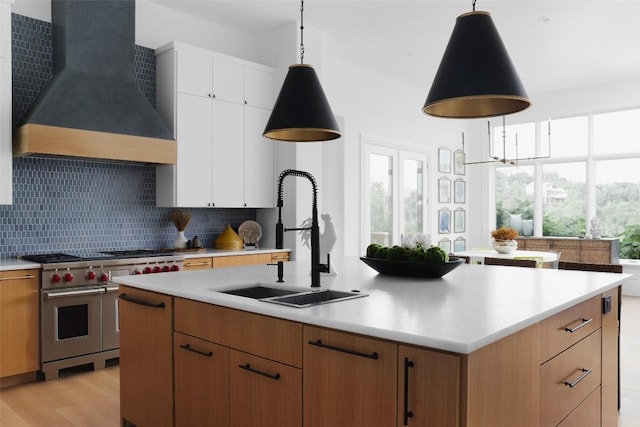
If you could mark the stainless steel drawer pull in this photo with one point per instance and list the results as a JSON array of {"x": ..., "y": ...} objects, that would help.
[
  {"x": 584, "y": 374},
  {"x": 71, "y": 293},
  {"x": 585, "y": 322},
  {"x": 26, "y": 276}
]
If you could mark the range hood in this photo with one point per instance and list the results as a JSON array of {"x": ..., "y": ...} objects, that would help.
[{"x": 92, "y": 107}]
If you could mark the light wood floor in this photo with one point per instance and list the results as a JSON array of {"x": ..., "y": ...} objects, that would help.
[{"x": 91, "y": 398}]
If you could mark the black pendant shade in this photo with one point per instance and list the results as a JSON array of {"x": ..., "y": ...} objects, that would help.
[
  {"x": 302, "y": 112},
  {"x": 476, "y": 77}
]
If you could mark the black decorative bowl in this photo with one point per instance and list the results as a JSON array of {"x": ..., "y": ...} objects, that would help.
[{"x": 413, "y": 269}]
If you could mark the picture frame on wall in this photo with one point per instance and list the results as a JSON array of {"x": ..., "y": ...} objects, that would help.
[
  {"x": 458, "y": 162},
  {"x": 459, "y": 220},
  {"x": 444, "y": 221},
  {"x": 444, "y": 190},
  {"x": 460, "y": 244},
  {"x": 459, "y": 191},
  {"x": 444, "y": 160},
  {"x": 445, "y": 245}
]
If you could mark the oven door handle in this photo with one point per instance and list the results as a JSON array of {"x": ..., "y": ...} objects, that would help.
[
  {"x": 72, "y": 293},
  {"x": 111, "y": 289}
]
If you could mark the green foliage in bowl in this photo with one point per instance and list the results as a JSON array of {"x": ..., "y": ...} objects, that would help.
[{"x": 433, "y": 254}]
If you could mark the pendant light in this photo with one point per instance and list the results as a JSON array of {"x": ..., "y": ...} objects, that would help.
[
  {"x": 301, "y": 112},
  {"x": 476, "y": 77}
]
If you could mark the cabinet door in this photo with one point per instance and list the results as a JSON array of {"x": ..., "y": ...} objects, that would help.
[
  {"x": 228, "y": 82},
  {"x": 194, "y": 73},
  {"x": 201, "y": 372},
  {"x": 195, "y": 151},
  {"x": 610, "y": 358},
  {"x": 19, "y": 329},
  {"x": 429, "y": 391},
  {"x": 264, "y": 393},
  {"x": 146, "y": 362},
  {"x": 259, "y": 180},
  {"x": 258, "y": 88},
  {"x": 228, "y": 154},
  {"x": 349, "y": 380},
  {"x": 596, "y": 251}
]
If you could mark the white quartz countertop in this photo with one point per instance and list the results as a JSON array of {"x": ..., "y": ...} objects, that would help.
[
  {"x": 10, "y": 264},
  {"x": 220, "y": 252},
  {"x": 469, "y": 308}
]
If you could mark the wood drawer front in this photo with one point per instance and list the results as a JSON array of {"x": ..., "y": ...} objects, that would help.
[
  {"x": 238, "y": 260},
  {"x": 201, "y": 382},
  {"x": 557, "y": 399},
  {"x": 554, "y": 336},
  {"x": 263, "y": 392},
  {"x": 197, "y": 264},
  {"x": 265, "y": 336},
  {"x": 280, "y": 256},
  {"x": 587, "y": 414}
]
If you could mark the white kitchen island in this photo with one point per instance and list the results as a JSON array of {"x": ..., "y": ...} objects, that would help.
[{"x": 495, "y": 326}]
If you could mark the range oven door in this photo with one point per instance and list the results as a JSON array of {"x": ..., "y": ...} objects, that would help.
[
  {"x": 71, "y": 322},
  {"x": 110, "y": 324}
]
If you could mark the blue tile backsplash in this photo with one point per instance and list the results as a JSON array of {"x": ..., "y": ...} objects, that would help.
[{"x": 75, "y": 205}]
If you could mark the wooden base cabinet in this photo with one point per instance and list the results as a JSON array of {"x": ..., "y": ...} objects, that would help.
[
  {"x": 264, "y": 393},
  {"x": 19, "y": 328},
  {"x": 428, "y": 388},
  {"x": 349, "y": 380},
  {"x": 235, "y": 368},
  {"x": 146, "y": 361},
  {"x": 201, "y": 371}
]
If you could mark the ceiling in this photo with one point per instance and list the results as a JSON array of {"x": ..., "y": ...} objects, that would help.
[{"x": 554, "y": 44}]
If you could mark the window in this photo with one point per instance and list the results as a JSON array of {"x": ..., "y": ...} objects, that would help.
[
  {"x": 393, "y": 192},
  {"x": 593, "y": 172}
]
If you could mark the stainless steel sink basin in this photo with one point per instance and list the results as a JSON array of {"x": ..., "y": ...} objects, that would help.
[
  {"x": 308, "y": 299},
  {"x": 260, "y": 292},
  {"x": 292, "y": 297}
]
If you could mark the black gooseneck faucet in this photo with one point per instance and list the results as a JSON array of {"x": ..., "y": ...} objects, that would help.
[{"x": 316, "y": 267}]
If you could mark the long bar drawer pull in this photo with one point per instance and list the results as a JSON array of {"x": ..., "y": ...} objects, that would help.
[
  {"x": 319, "y": 343},
  {"x": 584, "y": 374},
  {"x": 196, "y": 264},
  {"x": 195, "y": 350},
  {"x": 141, "y": 301},
  {"x": 247, "y": 367},
  {"x": 407, "y": 413},
  {"x": 26, "y": 276},
  {"x": 585, "y": 322}
]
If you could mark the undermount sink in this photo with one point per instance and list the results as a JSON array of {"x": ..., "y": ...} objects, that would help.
[
  {"x": 260, "y": 292},
  {"x": 307, "y": 299},
  {"x": 298, "y": 297}
]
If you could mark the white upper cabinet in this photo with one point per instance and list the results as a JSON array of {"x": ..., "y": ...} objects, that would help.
[
  {"x": 217, "y": 107},
  {"x": 6, "y": 159}
]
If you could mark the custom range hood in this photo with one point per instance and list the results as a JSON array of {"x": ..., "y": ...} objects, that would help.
[{"x": 92, "y": 107}]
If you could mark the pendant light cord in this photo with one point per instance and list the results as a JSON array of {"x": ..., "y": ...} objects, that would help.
[
  {"x": 301, "y": 32},
  {"x": 474, "y": 5}
]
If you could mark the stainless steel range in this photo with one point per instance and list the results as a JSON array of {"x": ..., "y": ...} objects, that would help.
[{"x": 79, "y": 305}]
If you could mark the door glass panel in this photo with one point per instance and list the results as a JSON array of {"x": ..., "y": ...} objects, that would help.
[
  {"x": 413, "y": 196},
  {"x": 73, "y": 321},
  {"x": 381, "y": 191}
]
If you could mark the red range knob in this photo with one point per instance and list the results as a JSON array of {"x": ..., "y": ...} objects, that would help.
[
  {"x": 136, "y": 272},
  {"x": 146, "y": 270},
  {"x": 56, "y": 278},
  {"x": 91, "y": 275},
  {"x": 157, "y": 269},
  {"x": 103, "y": 277},
  {"x": 175, "y": 267},
  {"x": 68, "y": 277},
  {"x": 166, "y": 268}
]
